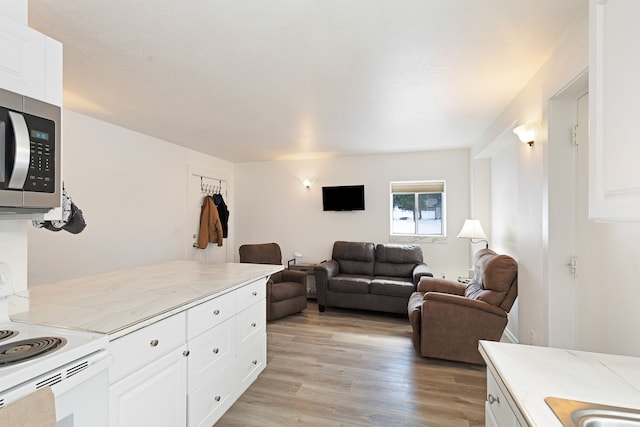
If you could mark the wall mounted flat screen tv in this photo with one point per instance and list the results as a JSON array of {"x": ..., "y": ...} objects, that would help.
[{"x": 343, "y": 198}]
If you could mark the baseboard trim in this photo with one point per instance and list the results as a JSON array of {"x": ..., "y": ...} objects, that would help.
[{"x": 507, "y": 336}]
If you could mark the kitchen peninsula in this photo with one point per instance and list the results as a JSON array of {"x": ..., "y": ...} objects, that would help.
[
  {"x": 187, "y": 337},
  {"x": 520, "y": 377}
]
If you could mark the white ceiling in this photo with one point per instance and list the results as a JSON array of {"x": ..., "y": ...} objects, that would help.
[{"x": 257, "y": 80}]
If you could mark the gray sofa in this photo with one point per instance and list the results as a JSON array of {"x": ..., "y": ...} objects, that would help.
[{"x": 365, "y": 276}]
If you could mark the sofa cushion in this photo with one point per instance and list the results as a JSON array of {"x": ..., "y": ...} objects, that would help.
[
  {"x": 354, "y": 257},
  {"x": 392, "y": 286},
  {"x": 393, "y": 260},
  {"x": 350, "y": 283}
]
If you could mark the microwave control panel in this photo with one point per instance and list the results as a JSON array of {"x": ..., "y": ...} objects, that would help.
[{"x": 41, "y": 175}]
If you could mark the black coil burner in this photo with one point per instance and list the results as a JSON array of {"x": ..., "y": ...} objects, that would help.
[
  {"x": 19, "y": 351},
  {"x": 5, "y": 334}
]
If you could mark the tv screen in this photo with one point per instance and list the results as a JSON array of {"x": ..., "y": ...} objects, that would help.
[{"x": 343, "y": 198}]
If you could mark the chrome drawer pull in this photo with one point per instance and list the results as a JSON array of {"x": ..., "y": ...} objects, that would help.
[
  {"x": 254, "y": 293},
  {"x": 492, "y": 399},
  {"x": 186, "y": 353},
  {"x": 154, "y": 343},
  {"x": 216, "y": 312},
  {"x": 255, "y": 362},
  {"x": 216, "y": 350},
  {"x": 253, "y": 325},
  {"x": 217, "y": 398}
]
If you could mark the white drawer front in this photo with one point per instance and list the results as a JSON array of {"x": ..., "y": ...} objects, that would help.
[
  {"x": 249, "y": 324},
  {"x": 251, "y": 362},
  {"x": 209, "y": 314},
  {"x": 138, "y": 349},
  {"x": 250, "y": 294},
  {"x": 210, "y": 352},
  {"x": 210, "y": 401}
]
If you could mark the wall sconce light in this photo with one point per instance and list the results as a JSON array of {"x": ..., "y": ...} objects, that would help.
[
  {"x": 473, "y": 230},
  {"x": 306, "y": 183},
  {"x": 527, "y": 133}
]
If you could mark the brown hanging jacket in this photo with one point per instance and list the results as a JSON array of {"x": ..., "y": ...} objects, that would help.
[{"x": 210, "y": 225}]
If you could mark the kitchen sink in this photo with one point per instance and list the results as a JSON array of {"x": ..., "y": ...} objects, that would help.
[{"x": 574, "y": 413}]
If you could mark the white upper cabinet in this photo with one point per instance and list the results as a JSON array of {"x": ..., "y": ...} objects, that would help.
[
  {"x": 614, "y": 86},
  {"x": 30, "y": 62}
]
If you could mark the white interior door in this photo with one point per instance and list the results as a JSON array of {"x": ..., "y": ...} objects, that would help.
[{"x": 195, "y": 196}]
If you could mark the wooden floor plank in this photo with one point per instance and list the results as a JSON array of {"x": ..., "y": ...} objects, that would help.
[{"x": 355, "y": 368}]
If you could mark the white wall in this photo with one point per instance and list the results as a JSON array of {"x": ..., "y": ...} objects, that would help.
[
  {"x": 605, "y": 312},
  {"x": 273, "y": 205},
  {"x": 132, "y": 189},
  {"x": 532, "y": 104}
]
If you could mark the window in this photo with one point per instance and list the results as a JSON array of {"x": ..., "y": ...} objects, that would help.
[{"x": 418, "y": 208}]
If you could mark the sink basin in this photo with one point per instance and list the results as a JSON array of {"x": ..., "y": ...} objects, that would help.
[{"x": 574, "y": 413}]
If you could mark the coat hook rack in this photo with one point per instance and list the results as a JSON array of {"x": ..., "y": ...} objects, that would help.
[{"x": 211, "y": 189}]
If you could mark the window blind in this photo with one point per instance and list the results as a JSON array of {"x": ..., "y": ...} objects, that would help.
[{"x": 417, "y": 187}]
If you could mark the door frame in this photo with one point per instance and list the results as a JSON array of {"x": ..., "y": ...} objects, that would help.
[{"x": 561, "y": 190}]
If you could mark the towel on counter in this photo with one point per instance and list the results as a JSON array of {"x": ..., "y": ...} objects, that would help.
[{"x": 35, "y": 410}]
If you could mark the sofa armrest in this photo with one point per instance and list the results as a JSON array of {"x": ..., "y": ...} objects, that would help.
[
  {"x": 464, "y": 302},
  {"x": 432, "y": 284},
  {"x": 294, "y": 276},
  {"x": 452, "y": 325},
  {"x": 324, "y": 271},
  {"x": 421, "y": 270},
  {"x": 329, "y": 268}
]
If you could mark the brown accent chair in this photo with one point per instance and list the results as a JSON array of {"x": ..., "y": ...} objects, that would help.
[
  {"x": 287, "y": 289},
  {"x": 365, "y": 276},
  {"x": 449, "y": 318}
]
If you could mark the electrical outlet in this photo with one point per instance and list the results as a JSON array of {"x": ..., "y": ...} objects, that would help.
[{"x": 532, "y": 337}]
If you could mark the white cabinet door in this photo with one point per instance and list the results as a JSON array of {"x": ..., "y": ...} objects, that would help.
[
  {"x": 489, "y": 418},
  {"x": 153, "y": 396},
  {"x": 31, "y": 63},
  {"x": 498, "y": 411},
  {"x": 614, "y": 67}
]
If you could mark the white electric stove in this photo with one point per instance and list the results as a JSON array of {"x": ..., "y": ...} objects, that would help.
[{"x": 74, "y": 363}]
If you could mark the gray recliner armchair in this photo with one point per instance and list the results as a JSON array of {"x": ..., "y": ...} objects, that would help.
[
  {"x": 449, "y": 318},
  {"x": 287, "y": 289}
]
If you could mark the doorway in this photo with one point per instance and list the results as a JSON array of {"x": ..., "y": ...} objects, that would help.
[
  {"x": 195, "y": 196},
  {"x": 562, "y": 195}
]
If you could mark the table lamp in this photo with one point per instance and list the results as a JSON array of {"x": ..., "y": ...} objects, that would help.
[{"x": 473, "y": 230}]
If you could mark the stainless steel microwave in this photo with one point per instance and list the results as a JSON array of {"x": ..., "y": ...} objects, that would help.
[{"x": 30, "y": 154}]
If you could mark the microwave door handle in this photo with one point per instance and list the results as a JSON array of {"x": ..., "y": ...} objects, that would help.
[{"x": 22, "y": 151}]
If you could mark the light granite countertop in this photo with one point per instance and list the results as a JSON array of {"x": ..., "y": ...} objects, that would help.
[
  {"x": 532, "y": 373},
  {"x": 119, "y": 302}
]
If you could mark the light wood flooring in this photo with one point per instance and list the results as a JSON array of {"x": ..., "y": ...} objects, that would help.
[{"x": 355, "y": 368}]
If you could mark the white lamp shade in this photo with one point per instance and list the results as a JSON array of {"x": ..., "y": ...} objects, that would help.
[
  {"x": 527, "y": 133},
  {"x": 472, "y": 230}
]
